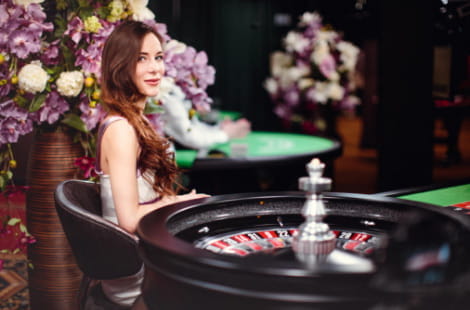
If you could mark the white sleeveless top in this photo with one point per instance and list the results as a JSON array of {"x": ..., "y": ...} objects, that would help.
[{"x": 125, "y": 290}]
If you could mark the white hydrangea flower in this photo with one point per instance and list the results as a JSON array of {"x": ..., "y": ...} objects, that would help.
[
  {"x": 70, "y": 84},
  {"x": 349, "y": 54},
  {"x": 326, "y": 35},
  {"x": 33, "y": 78},
  {"x": 271, "y": 85},
  {"x": 175, "y": 46},
  {"x": 335, "y": 91},
  {"x": 295, "y": 41},
  {"x": 320, "y": 92},
  {"x": 166, "y": 85},
  {"x": 170, "y": 91},
  {"x": 292, "y": 75},
  {"x": 309, "y": 18},
  {"x": 321, "y": 51},
  {"x": 305, "y": 83},
  {"x": 280, "y": 62},
  {"x": 26, "y": 2},
  {"x": 140, "y": 10}
]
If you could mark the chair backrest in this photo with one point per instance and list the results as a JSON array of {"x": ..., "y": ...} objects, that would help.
[{"x": 101, "y": 248}]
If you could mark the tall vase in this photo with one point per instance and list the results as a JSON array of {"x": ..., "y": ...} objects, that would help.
[{"x": 55, "y": 278}]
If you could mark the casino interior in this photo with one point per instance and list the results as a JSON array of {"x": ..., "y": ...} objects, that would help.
[{"x": 370, "y": 213}]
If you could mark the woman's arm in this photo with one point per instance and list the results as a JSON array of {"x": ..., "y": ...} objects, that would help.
[{"x": 120, "y": 151}]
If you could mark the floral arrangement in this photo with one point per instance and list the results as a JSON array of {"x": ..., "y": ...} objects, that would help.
[
  {"x": 50, "y": 56},
  {"x": 313, "y": 73}
]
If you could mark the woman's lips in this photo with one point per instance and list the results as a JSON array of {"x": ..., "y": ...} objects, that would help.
[{"x": 153, "y": 82}]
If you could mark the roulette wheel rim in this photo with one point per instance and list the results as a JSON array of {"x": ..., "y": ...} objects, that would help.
[{"x": 203, "y": 268}]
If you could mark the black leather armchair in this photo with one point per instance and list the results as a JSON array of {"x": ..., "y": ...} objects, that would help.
[{"x": 102, "y": 249}]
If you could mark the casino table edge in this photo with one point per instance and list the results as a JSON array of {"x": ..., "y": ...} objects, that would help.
[
  {"x": 424, "y": 188},
  {"x": 206, "y": 164}
]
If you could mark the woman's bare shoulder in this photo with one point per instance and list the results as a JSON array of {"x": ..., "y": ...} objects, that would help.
[{"x": 119, "y": 132}]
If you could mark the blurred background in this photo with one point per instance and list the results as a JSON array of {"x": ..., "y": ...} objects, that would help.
[{"x": 410, "y": 128}]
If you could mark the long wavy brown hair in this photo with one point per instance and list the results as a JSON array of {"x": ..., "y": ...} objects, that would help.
[{"x": 119, "y": 95}]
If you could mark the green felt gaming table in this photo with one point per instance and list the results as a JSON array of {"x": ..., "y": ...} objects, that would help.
[
  {"x": 267, "y": 161},
  {"x": 262, "y": 148},
  {"x": 455, "y": 195}
]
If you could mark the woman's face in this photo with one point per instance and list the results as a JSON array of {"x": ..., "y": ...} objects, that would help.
[{"x": 150, "y": 67}]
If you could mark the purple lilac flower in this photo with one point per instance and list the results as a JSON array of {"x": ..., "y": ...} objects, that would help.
[
  {"x": 156, "y": 122},
  {"x": 10, "y": 109},
  {"x": 75, "y": 29},
  {"x": 50, "y": 55},
  {"x": 36, "y": 16},
  {"x": 54, "y": 107},
  {"x": 89, "y": 60},
  {"x": 192, "y": 74},
  {"x": 205, "y": 74},
  {"x": 160, "y": 28},
  {"x": 292, "y": 97},
  {"x": 282, "y": 111},
  {"x": 23, "y": 43},
  {"x": 3, "y": 14},
  {"x": 4, "y": 75},
  {"x": 14, "y": 122},
  {"x": 312, "y": 29},
  {"x": 328, "y": 66},
  {"x": 11, "y": 128},
  {"x": 349, "y": 103},
  {"x": 91, "y": 116},
  {"x": 23, "y": 28}
]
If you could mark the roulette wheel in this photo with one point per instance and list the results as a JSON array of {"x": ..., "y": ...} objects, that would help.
[{"x": 241, "y": 251}]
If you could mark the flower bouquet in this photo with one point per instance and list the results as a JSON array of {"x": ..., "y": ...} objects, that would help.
[
  {"x": 312, "y": 76},
  {"x": 50, "y": 55}
]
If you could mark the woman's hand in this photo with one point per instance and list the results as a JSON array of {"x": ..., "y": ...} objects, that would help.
[
  {"x": 179, "y": 198},
  {"x": 192, "y": 195}
]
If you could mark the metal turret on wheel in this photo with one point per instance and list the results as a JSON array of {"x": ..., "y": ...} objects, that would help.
[{"x": 314, "y": 240}]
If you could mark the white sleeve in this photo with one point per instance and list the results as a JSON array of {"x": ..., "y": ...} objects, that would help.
[{"x": 190, "y": 133}]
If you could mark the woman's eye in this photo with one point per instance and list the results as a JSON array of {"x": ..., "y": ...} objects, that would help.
[
  {"x": 159, "y": 57},
  {"x": 141, "y": 58}
]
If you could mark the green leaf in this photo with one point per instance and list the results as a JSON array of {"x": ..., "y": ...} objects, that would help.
[
  {"x": 103, "y": 12},
  {"x": 60, "y": 26},
  {"x": 23, "y": 228},
  {"x": 83, "y": 3},
  {"x": 22, "y": 102},
  {"x": 37, "y": 102},
  {"x": 153, "y": 107},
  {"x": 85, "y": 13},
  {"x": 74, "y": 121},
  {"x": 69, "y": 58},
  {"x": 2, "y": 184},
  {"x": 13, "y": 221}
]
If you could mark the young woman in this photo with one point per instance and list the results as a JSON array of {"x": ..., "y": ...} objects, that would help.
[{"x": 137, "y": 171}]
